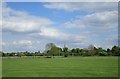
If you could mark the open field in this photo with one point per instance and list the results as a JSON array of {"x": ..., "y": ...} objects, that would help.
[
  {"x": 61, "y": 67},
  {"x": 0, "y": 67}
]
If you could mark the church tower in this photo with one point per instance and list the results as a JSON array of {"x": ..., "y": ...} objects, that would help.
[{"x": 65, "y": 45}]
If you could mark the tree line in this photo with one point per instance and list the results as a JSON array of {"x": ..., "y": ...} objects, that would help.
[{"x": 53, "y": 50}]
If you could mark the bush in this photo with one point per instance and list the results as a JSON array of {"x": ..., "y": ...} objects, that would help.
[
  {"x": 48, "y": 57},
  {"x": 65, "y": 55}
]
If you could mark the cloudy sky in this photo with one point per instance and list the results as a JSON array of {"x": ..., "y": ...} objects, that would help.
[{"x": 29, "y": 26}]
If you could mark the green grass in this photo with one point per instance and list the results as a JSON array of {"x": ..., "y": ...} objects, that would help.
[
  {"x": 61, "y": 67},
  {"x": 0, "y": 67}
]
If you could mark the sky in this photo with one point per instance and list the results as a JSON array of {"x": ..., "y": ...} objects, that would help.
[{"x": 29, "y": 26}]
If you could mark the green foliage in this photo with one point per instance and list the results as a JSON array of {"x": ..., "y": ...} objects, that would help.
[
  {"x": 49, "y": 46},
  {"x": 65, "y": 55},
  {"x": 109, "y": 53},
  {"x": 56, "y": 51},
  {"x": 65, "y": 49},
  {"x": 115, "y": 50}
]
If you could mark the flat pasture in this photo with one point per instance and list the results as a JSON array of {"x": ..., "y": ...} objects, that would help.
[{"x": 60, "y": 67}]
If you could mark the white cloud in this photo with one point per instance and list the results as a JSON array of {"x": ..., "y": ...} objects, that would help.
[
  {"x": 95, "y": 28},
  {"x": 22, "y": 22},
  {"x": 17, "y": 45},
  {"x": 78, "y": 38},
  {"x": 89, "y": 6},
  {"x": 77, "y": 23},
  {"x": 2, "y": 43},
  {"x": 19, "y": 21},
  {"x": 101, "y": 20},
  {"x": 23, "y": 42},
  {"x": 63, "y": 36},
  {"x": 53, "y": 33}
]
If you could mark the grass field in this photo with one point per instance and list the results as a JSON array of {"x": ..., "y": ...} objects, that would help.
[
  {"x": 61, "y": 67},
  {"x": 0, "y": 67}
]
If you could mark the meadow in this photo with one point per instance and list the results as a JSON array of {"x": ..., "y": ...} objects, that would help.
[{"x": 60, "y": 67}]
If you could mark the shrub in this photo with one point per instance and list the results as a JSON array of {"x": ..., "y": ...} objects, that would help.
[
  {"x": 48, "y": 57},
  {"x": 65, "y": 55}
]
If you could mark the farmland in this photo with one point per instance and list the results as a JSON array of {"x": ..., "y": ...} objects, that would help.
[{"x": 61, "y": 67}]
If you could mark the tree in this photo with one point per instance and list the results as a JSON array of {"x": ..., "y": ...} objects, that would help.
[
  {"x": 91, "y": 47},
  {"x": 73, "y": 51},
  {"x": 85, "y": 53},
  {"x": 102, "y": 52},
  {"x": 12, "y": 54},
  {"x": 109, "y": 53},
  {"x": 65, "y": 51},
  {"x": 49, "y": 46},
  {"x": 4, "y": 54},
  {"x": 19, "y": 54},
  {"x": 60, "y": 52},
  {"x": 77, "y": 52},
  {"x": 54, "y": 51},
  {"x": 92, "y": 50},
  {"x": 37, "y": 53},
  {"x": 115, "y": 51}
]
